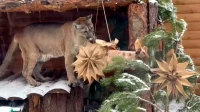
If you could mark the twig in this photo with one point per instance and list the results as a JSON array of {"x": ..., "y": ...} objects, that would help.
[
  {"x": 97, "y": 16},
  {"x": 167, "y": 104},
  {"x": 150, "y": 103},
  {"x": 106, "y": 20}
]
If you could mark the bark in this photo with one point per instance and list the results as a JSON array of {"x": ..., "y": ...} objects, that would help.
[
  {"x": 57, "y": 5},
  {"x": 137, "y": 15},
  {"x": 35, "y": 103},
  {"x": 57, "y": 102},
  {"x": 152, "y": 16}
]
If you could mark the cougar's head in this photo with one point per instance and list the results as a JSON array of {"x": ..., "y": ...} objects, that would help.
[{"x": 84, "y": 28}]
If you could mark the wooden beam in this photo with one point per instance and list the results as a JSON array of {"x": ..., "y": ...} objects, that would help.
[
  {"x": 137, "y": 17},
  {"x": 193, "y": 26},
  {"x": 196, "y": 61},
  {"x": 185, "y": 2},
  {"x": 57, "y": 102},
  {"x": 197, "y": 67},
  {"x": 189, "y": 8},
  {"x": 15, "y": 6},
  {"x": 191, "y": 35},
  {"x": 152, "y": 16},
  {"x": 35, "y": 103},
  {"x": 193, "y": 52},
  {"x": 190, "y": 17},
  {"x": 188, "y": 44}
]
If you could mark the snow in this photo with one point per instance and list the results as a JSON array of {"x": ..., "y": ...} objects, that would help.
[
  {"x": 142, "y": 109},
  {"x": 132, "y": 77},
  {"x": 126, "y": 80},
  {"x": 152, "y": 1},
  {"x": 173, "y": 106}
]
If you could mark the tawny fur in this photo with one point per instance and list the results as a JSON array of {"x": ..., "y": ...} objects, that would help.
[{"x": 41, "y": 42}]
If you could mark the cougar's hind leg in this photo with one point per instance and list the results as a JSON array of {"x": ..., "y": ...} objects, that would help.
[
  {"x": 29, "y": 64},
  {"x": 36, "y": 73}
]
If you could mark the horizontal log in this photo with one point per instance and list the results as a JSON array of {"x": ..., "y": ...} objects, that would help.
[
  {"x": 197, "y": 67},
  {"x": 196, "y": 61},
  {"x": 191, "y": 35},
  {"x": 191, "y": 44},
  {"x": 191, "y": 26},
  {"x": 190, "y": 17},
  {"x": 193, "y": 52},
  {"x": 66, "y": 5},
  {"x": 189, "y": 8},
  {"x": 183, "y": 2},
  {"x": 194, "y": 26}
]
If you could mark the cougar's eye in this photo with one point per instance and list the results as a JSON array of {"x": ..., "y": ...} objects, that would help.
[{"x": 91, "y": 28}]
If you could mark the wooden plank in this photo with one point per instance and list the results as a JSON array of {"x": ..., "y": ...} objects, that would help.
[
  {"x": 137, "y": 17},
  {"x": 183, "y": 2},
  {"x": 191, "y": 17},
  {"x": 58, "y": 102},
  {"x": 191, "y": 26},
  {"x": 34, "y": 103},
  {"x": 194, "y": 26},
  {"x": 69, "y": 5},
  {"x": 191, "y": 35},
  {"x": 191, "y": 44},
  {"x": 193, "y": 52},
  {"x": 196, "y": 61},
  {"x": 189, "y": 8},
  {"x": 152, "y": 16},
  {"x": 197, "y": 68}
]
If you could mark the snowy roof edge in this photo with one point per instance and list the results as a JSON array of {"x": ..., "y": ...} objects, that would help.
[{"x": 16, "y": 87}]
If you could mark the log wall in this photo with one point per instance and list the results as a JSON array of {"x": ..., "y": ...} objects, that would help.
[
  {"x": 14, "y": 22},
  {"x": 189, "y": 11}
]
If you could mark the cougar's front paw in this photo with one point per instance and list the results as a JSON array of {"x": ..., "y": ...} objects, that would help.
[
  {"x": 73, "y": 82},
  {"x": 33, "y": 82}
]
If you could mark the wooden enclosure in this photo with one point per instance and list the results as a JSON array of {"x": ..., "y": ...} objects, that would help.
[
  {"x": 189, "y": 11},
  {"x": 14, "y": 22},
  {"x": 125, "y": 23}
]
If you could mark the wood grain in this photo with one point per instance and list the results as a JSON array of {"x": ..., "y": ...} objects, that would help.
[
  {"x": 191, "y": 17},
  {"x": 193, "y": 52},
  {"x": 184, "y": 2},
  {"x": 191, "y": 44},
  {"x": 189, "y": 8},
  {"x": 191, "y": 35}
]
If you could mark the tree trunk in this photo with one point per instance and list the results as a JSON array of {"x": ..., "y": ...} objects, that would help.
[
  {"x": 152, "y": 16},
  {"x": 137, "y": 15},
  {"x": 57, "y": 102}
]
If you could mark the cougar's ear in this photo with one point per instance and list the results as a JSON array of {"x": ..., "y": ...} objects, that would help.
[
  {"x": 76, "y": 25},
  {"x": 89, "y": 18}
]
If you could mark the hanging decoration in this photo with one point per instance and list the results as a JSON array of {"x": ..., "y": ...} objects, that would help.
[
  {"x": 90, "y": 62},
  {"x": 173, "y": 76}
]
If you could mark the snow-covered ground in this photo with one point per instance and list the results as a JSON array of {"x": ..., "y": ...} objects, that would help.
[{"x": 173, "y": 106}]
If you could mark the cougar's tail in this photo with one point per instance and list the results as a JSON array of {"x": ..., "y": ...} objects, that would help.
[{"x": 8, "y": 58}]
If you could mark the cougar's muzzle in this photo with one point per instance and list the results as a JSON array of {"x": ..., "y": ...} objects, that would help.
[{"x": 92, "y": 40}]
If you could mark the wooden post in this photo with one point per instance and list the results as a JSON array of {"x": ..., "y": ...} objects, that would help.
[
  {"x": 58, "y": 102},
  {"x": 137, "y": 17},
  {"x": 34, "y": 103},
  {"x": 142, "y": 20},
  {"x": 152, "y": 16}
]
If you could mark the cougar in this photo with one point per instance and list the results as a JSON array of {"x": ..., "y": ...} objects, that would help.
[{"x": 41, "y": 42}]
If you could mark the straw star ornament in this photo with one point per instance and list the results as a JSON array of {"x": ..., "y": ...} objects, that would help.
[
  {"x": 90, "y": 62},
  {"x": 173, "y": 76}
]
